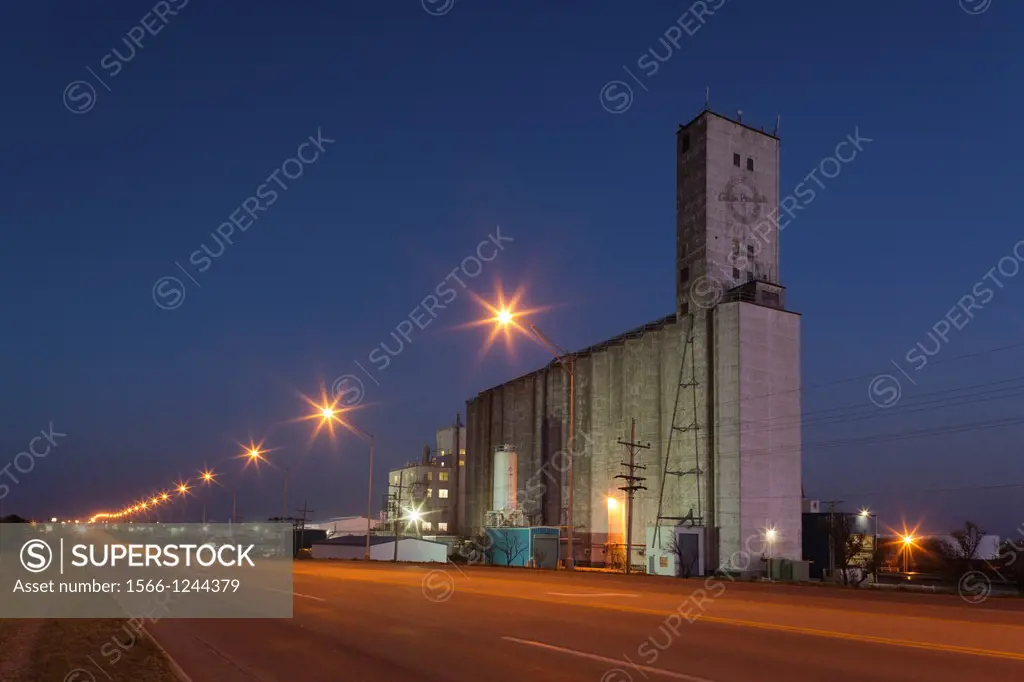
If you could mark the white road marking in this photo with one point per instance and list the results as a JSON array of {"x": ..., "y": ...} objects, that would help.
[
  {"x": 592, "y": 594},
  {"x": 605, "y": 659},
  {"x": 294, "y": 594}
]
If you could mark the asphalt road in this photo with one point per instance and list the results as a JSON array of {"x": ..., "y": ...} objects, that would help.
[{"x": 353, "y": 622}]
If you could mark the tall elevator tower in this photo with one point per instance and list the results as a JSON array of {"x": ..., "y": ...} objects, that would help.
[{"x": 733, "y": 452}]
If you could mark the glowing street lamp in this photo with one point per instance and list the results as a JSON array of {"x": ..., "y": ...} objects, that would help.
[
  {"x": 504, "y": 318},
  {"x": 770, "y": 535},
  {"x": 866, "y": 514},
  {"x": 329, "y": 414},
  {"x": 207, "y": 477},
  {"x": 908, "y": 544}
]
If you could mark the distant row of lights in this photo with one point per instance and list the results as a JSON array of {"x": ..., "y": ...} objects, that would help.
[{"x": 327, "y": 413}]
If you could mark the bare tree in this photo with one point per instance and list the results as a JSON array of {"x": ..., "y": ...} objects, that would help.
[
  {"x": 511, "y": 546},
  {"x": 964, "y": 548},
  {"x": 686, "y": 565},
  {"x": 616, "y": 557},
  {"x": 849, "y": 550},
  {"x": 878, "y": 557}
]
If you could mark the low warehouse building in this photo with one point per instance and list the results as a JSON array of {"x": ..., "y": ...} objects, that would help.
[{"x": 382, "y": 548}]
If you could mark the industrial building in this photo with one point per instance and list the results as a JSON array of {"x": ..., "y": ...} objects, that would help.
[
  {"x": 425, "y": 488},
  {"x": 713, "y": 387},
  {"x": 450, "y": 440}
]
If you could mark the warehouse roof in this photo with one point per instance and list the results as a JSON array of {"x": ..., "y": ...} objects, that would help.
[
  {"x": 360, "y": 540},
  {"x": 656, "y": 325}
]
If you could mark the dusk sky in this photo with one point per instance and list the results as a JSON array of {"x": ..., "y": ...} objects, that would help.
[{"x": 436, "y": 124}]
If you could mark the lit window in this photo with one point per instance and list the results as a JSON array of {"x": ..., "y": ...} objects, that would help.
[
  {"x": 430, "y": 492},
  {"x": 442, "y": 493},
  {"x": 442, "y": 526},
  {"x": 427, "y": 525},
  {"x": 430, "y": 475},
  {"x": 462, "y": 452},
  {"x": 663, "y": 561},
  {"x": 443, "y": 476}
]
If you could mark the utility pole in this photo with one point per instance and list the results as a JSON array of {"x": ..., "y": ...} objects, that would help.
[
  {"x": 398, "y": 511},
  {"x": 457, "y": 471},
  {"x": 632, "y": 485},
  {"x": 832, "y": 536},
  {"x": 302, "y": 528}
]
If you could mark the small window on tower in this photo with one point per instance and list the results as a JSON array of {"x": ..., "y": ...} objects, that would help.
[
  {"x": 684, "y": 275},
  {"x": 750, "y": 164},
  {"x": 750, "y": 250},
  {"x": 735, "y": 273},
  {"x": 736, "y": 160},
  {"x": 686, "y": 143}
]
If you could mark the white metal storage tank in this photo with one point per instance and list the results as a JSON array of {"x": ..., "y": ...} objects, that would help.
[{"x": 505, "y": 465}]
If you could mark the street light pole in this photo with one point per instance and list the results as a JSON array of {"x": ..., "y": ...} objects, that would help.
[
  {"x": 398, "y": 511},
  {"x": 369, "y": 498},
  {"x": 568, "y": 363},
  {"x": 328, "y": 413},
  {"x": 875, "y": 551}
]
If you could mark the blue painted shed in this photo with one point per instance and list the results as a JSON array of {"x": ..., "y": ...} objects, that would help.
[{"x": 536, "y": 546}]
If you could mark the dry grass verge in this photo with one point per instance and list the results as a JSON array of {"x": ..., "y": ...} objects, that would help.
[{"x": 76, "y": 650}]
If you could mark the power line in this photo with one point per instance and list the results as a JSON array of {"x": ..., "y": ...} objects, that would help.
[
  {"x": 872, "y": 375},
  {"x": 851, "y": 413}
]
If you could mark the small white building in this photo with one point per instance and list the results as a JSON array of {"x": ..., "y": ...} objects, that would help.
[{"x": 382, "y": 548}]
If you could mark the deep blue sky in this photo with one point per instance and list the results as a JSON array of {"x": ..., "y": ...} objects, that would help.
[{"x": 445, "y": 127}]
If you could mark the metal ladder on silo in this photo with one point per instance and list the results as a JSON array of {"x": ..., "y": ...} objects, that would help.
[{"x": 685, "y": 406}]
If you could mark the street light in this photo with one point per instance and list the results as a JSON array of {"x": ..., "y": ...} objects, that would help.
[
  {"x": 182, "y": 489},
  {"x": 908, "y": 543},
  {"x": 770, "y": 534},
  {"x": 866, "y": 514},
  {"x": 329, "y": 414},
  {"x": 505, "y": 317},
  {"x": 207, "y": 477}
]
